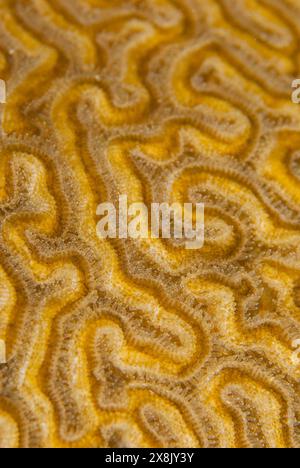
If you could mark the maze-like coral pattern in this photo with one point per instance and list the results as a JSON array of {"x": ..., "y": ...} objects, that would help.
[{"x": 128, "y": 343}]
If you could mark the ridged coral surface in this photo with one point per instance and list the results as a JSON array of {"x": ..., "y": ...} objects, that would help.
[{"x": 142, "y": 343}]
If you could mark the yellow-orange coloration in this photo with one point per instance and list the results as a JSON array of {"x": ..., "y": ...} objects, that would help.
[{"x": 123, "y": 343}]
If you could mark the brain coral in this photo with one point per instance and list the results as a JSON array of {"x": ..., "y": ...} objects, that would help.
[{"x": 142, "y": 343}]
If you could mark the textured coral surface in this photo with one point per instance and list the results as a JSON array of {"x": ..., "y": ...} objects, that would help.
[{"x": 121, "y": 343}]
